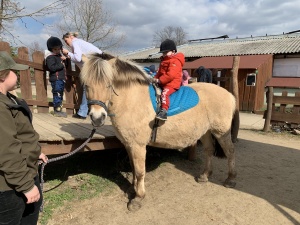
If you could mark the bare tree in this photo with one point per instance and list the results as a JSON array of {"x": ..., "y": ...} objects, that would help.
[
  {"x": 10, "y": 10},
  {"x": 35, "y": 46},
  {"x": 177, "y": 34},
  {"x": 93, "y": 23}
]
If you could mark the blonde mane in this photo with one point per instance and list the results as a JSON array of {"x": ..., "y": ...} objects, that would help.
[{"x": 105, "y": 68}]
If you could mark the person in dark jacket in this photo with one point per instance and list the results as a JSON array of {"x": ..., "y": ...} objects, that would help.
[
  {"x": 20, "y": 192},
  {"x": 55, "y": 63},
  {"x": 204, "y": 75}
]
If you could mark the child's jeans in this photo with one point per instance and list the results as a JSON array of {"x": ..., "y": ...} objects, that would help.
[{"x": 58, "y": 87}]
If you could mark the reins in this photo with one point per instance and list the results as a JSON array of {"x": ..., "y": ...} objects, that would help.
[{"x": 60, "y": 158}]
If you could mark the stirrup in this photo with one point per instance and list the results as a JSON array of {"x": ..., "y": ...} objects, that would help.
[{"x": 162, "y": 115}]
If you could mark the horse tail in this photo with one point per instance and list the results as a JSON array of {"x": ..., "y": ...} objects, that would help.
[{"x": 219, "y": 152}]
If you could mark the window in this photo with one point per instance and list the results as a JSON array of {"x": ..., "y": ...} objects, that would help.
[{"x": 251, "y": 79}]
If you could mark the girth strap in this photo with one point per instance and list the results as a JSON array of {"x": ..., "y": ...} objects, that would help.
[{"x": 158, "y": 104}]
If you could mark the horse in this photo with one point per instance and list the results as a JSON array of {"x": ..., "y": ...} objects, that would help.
[{"x": 119, "y": 88}]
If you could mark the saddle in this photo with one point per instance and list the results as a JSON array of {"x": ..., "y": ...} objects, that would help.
[{"x": 180, "y": 101}]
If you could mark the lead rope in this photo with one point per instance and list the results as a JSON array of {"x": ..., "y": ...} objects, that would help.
[{"x": 60, "y": 158}]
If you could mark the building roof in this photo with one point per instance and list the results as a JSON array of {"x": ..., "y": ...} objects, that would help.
[
  {"x": 263, "y": 45},
  {"x": 226, "y": 62},
  {"x": 291, "y": 82}
]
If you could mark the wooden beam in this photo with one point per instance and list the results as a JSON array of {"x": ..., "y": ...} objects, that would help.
[
  {"x": 235, "y": 92},
  {"x": 37, "y": 66},
  {"x": 64, "y": 148},
  {"x": 286, "y": 118},
  {"x": 292, "y": 100}
]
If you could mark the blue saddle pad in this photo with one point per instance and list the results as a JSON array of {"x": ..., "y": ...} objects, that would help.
[{"x": 180, "y": 101}]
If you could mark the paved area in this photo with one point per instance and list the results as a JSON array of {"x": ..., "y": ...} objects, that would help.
[{"x": 251, "y": 121}]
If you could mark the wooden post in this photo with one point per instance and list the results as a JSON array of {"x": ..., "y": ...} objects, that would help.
[
  {"x": 235, "y": 92},
  {"x": 25, "y": 76},
  {"x": 269, "y": 109},
  {"x": 40, "y": 82},
  {"x": 69, "y": 89}
]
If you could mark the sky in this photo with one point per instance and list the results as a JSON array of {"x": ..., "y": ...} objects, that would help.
[{"x": 139, "y": 19}]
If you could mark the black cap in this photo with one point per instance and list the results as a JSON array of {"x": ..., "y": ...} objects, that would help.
[
  {"x": 167, "y": 45},
  {"x": 53, "y": 42}
]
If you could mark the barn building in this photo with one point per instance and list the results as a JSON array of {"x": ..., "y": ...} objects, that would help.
[{"x": 264, "y": 60}]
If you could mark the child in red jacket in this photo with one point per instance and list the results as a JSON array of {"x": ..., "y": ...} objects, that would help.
[{"x": 169, "y": 74}]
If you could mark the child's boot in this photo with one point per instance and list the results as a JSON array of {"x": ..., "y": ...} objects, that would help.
[
  {"x": 162, "y": 115},
  {"x": 58, "y": 112}
]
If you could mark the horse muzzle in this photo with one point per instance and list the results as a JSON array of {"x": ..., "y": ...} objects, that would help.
[{"x": 98, "y": 116}]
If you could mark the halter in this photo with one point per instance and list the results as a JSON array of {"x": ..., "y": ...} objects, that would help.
[{"x": 100, "y": 103}]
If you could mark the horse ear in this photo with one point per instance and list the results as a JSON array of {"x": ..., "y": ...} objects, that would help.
[{"x": 84, "y": 58}]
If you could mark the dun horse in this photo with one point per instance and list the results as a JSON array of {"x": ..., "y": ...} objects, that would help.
[{"x": 120, "y": 89}]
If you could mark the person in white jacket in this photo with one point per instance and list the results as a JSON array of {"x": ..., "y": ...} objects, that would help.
[{"x": 79, "y": 47}]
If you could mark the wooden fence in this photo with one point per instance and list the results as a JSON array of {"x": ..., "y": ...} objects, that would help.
[
  {"x": 282, "y": 109},
  {"x": 35, "y": 78}
]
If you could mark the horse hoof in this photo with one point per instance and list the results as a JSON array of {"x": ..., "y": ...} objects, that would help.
[
  {"x": 134, "y": 205},
  {"x": 130, "y": 193},
  {"x": 229, "y": 183},
  {"x": 202, "y": 179}
]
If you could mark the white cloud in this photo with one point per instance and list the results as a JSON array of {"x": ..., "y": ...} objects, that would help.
[{"x": 138, "y": 20}]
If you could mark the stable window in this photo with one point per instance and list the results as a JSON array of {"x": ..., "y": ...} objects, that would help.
[
  {"x": 251, "y": 79},
  {"x": 287, "y": 67}
]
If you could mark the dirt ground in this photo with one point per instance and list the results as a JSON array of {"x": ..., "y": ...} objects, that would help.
[{"x": 267, "y": 190}]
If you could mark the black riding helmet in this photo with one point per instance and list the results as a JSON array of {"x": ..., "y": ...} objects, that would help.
[
  {"x": 167, "y": 45},
  {"x": 53, "y": 42}
]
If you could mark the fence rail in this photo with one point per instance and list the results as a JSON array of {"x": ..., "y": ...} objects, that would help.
[
  {"x": 282, "y": 109},
  {"x": 35, "y": 79}
]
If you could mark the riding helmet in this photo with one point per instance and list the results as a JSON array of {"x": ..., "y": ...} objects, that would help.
[
  {"x": 167, "y": 45},
  {"x": 53, "y": 42}
]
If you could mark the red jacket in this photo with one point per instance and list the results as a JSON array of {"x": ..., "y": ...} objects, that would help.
[{"x": 170, "y": 71}]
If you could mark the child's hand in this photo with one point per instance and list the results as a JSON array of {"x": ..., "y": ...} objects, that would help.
[
  {"x": 63, "y": 57},
  {"x": 65, "y": 51},
  {"x": 33, "y": 195},
  {"x": 154, "y": 80},
  {"x": 43, "y": 158}
]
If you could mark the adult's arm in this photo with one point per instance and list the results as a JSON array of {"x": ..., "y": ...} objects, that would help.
[{"x": 77, "y": 55}]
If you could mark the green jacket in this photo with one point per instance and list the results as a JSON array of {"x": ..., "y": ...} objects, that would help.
[{"x": 19, "y": 147}]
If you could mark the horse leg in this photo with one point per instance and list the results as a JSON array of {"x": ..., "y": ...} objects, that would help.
[
  {"x": 228, "y": 148},
  {"x": 208, "y": 146},
  {"x": 131, "y": 191},
  {"x": 138, "y": 157},
  {"x": 192, "y": 152}
]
